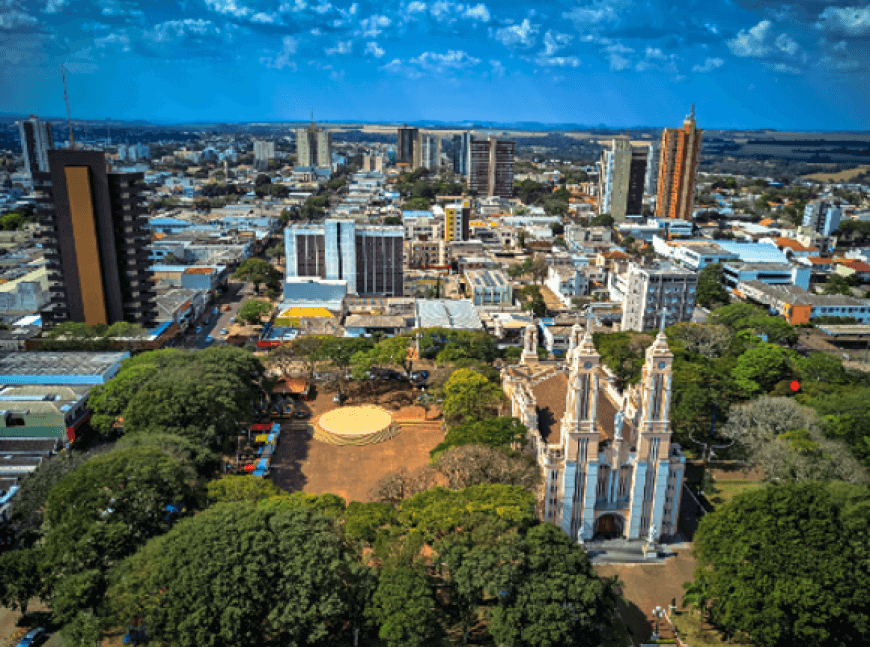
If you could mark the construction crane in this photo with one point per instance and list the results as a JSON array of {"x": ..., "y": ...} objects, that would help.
[{"x": 72, "y": 142}]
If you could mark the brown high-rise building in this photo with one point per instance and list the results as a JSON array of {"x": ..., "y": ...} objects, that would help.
[
  {"x": 96, "y": 244},
  {"x": 407, "y": 145},
  {"x": 491, "y": 167},
  {"x": 678, "y": 164}
]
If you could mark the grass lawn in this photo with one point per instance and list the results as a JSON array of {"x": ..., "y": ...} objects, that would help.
[
  {"x": 727, "y": 490},
  {"x": 686, "y": 623},
  {"x": 842, "y": 176}
]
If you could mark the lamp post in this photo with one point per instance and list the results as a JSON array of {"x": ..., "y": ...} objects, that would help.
[{"x": 658, "y": 612}]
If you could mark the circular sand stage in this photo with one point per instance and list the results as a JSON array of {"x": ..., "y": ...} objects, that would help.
[{"x": 361, "y": 425}]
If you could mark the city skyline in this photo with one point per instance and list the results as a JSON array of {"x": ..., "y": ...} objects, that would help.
[{"x": 797, "y": 66}]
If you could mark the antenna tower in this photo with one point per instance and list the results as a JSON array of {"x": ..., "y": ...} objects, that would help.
[{"x": 72, "y": 142}]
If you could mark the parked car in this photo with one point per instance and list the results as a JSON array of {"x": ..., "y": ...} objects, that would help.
[
  {"x": 32, "y": 637},
  {"x": 232, "y": 320},
  {"x": 419, "y": 384},
  {"x": 419, "y": 375},
  {"x": 302, "y": 415},
  {"x": 209, "y": 339},
  {"x": 224, "y": 331},
  {"x": 226, "y": 308},
  {"x": 207, "y": 319},
  {"x": 215, "y": 311},
  {"x": 198, "y": 329}
]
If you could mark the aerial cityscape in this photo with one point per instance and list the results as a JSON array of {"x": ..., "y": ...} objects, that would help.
[{"x": 426, "y": 324}]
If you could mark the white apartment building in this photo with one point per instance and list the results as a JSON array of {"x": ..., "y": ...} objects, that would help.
[{"x": 648, "y": 292}]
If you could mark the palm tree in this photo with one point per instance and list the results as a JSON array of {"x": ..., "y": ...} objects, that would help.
[{"x": 698, "y": 595}]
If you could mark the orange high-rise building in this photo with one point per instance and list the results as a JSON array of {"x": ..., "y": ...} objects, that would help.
[{"x": 678, "y": 164}]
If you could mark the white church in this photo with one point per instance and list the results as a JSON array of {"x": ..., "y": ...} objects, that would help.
[{"x": 609, "y": 467}]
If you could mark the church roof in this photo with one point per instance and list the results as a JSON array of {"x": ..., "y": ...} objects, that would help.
[{"x": 550, "y": 397}]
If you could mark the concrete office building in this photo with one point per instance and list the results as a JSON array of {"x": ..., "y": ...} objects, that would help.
[
  {"x": 491, "y": 167},
  {"x": 457, "y": 219},
  {"x": 367, "y": 257},
  {"x": 36, "y": 141},
  {"x": 621, "y": 181},
  {"x": 96, "y": 242},
  {"x": 373, "y": 163},
  {"x": 461, "y": 152},
  {"x": 648, "y": 291},
  {"x": 678, "y": 165},
  {"x": 607, "y": 463},
  {"x": 489, "y": 287},
  {"x": 407, "y": 143},
  {"x": 313, "y": 147},
  {"x": 427, "y": 151},
  {"x": 822, "y": 217},
  {"x": 263, "y": 152}
]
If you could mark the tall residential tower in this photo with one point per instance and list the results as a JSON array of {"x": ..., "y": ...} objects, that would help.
[
  {"x": 95, "y": 241},
  {"x": 36, "y": 141},
  {"x": 678, "y": 164},
  {"x": 491, "y": 167},
  {"x": 621, "y": 181}
]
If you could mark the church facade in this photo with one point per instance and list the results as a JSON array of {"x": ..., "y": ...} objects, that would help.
[{"x": 609, "y": 468}]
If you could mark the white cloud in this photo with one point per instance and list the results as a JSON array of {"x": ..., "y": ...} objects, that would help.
[
  {"x": 477, "y": 12},
  {"x": 708, "y": 65},
  {"x": 617, "y": 55},
  {"x": 752, "y": 42},
  {"x": 497, "y": 68},
  {"x": 521, "y": 35},
  {"x": 174, "y": 29},
  {"x": 316, "y": 32},
  {"x": 453, "y": 59},
  {"x": 341, "y": 47},
  {"x": 54, "y": 6},
  {"x": 554, "y": 41},
  {"x": 14, "y": 18},
  {"x": 264, "y": 18},
  {"x": 787, "y": 69},
  {"x": 373, "y": 49},
  {"x": 558, "y": 61},
  {"x": 322, "y": 8},
  {"x": 849, "y": 21},
  {"x": 373, "y": 25},
  {"x": 431, "y": 63},
  {"x": 118, "y": 40},
  {"x": 595, "y": 14},
  {"x": 229, "y": 7},
  {"x": 92, "y": 25},
  {"x": 282, "y": 58},
  {"x": 655, "y": 58},
  {"x": 416, "y": 7},
  {"x": 784, "y": 43},
  {"x": 838, "y": 65},
  {"x": 293, "y": 7}
]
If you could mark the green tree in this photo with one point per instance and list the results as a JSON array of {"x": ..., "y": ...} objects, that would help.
[
  {"x": 760, "y": 368},
  {"x": 468, "y": 395},
  {"x": 603, "y": 220},
  {"x": 252, "y": 311},
  {"x": 711, "y": 292},
  {"x": 262, "y": 179},
  {"x": 238, "y": 574},
  {"x": 417, "y": 204},
  {"x": 788, "y": 566},
  {"x": 494, "y": 432},
  {"x": 258, "y": 272},
  {"x": 99, "y": 514},
  {"x": 20, "y": 578},
  {"x": 698, "y": 595},
  {"x": 199, "y": 459},
  {"x": 394, "y": 351},
  {"x": 555, "y": 598},
  {"x": 469, "y": 465},
  {"x": 231, "y": 488},
  {"x": 404, "y": 607},
  {"x": 837, "y": 284}
]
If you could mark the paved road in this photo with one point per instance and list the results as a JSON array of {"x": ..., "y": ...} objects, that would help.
[{"x": 236, "y": 291}]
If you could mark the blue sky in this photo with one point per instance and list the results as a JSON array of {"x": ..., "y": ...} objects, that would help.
[{"x": 745, "y": 63}]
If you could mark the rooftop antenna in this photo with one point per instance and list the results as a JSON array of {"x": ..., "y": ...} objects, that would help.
[
  {"x": 108, "y": 138},
  {"x": 313, "y": 127},
  {"x": 72, "y": 143}
]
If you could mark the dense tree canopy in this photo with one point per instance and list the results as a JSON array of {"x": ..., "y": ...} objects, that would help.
[
  {"x": 469, "y": 396},
  {"x": 241, "y": 575},
  {"x": 495, "y": 432},
  {"x": 710, "y": 291},
  {"x": 787, "y": 565},
  {"x": 200, "y": 396}
]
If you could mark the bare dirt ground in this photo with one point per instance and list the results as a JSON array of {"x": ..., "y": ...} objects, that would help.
[
  {"x": 304, "y": 464},
  {"x": 647, "y": 586}
]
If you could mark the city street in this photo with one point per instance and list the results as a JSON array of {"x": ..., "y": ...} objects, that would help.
[{"x": 236, "y": 292}]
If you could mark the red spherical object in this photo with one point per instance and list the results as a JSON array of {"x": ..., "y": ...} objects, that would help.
[{"x": 795, "y": 386}]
